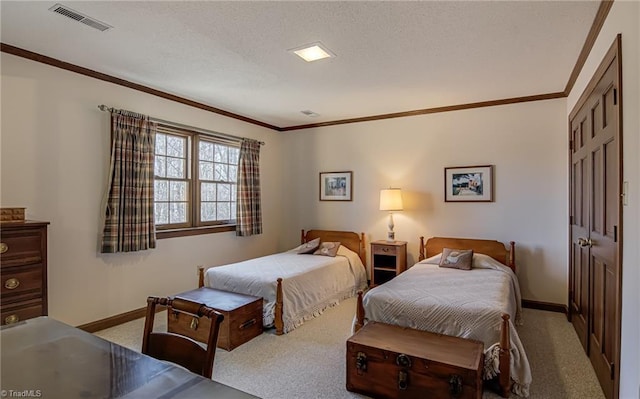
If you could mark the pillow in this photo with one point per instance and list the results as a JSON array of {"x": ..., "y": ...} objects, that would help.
[
  {"x": 309, "y": 247},
  {"x": 456, "y": 258},
  {"x": 328, "y": 249},
  {"x": 434, "y": 260}
]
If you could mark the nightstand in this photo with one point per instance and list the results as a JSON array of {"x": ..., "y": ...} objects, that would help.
[{"x": 388, "y": 259}]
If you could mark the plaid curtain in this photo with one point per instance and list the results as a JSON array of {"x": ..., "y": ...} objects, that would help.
[
  {"x": 249, "y": 212},
  {"x": 129, "y": 215}
]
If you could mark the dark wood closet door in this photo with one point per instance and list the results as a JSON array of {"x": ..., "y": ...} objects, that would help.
[{"x": 595, "y": 184}]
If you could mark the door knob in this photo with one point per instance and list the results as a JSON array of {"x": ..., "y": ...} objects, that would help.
[{"x": 585, "y": 242}]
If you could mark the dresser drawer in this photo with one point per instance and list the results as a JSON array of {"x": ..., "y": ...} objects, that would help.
[
  {"x": 19, "y": 312},
  {"x": 19, "y": 280},
  {"x": 21, "y": 247},
  {"x": 384, "y": 249}
]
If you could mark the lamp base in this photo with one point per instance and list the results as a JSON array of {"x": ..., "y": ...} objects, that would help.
[{"x": 391, "y": 236}]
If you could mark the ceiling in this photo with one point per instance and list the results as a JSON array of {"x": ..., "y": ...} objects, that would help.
[{"x": 390, "y": 56}]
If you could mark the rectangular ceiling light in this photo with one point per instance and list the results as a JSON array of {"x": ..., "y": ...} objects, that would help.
[{"x": 312, "y": 52}]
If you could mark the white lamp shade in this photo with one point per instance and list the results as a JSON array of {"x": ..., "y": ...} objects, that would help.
[{"x": 391, "y": 199}]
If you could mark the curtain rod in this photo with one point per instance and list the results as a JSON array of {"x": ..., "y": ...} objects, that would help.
[{"x": 103, "y": 107}]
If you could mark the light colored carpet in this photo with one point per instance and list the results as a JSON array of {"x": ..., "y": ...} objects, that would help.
[{"x": 309, "y": 362}]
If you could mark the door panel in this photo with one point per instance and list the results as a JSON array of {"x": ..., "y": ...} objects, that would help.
[
  {"x": 596, "y": 192},
  {"x": 610, "y": 189}
]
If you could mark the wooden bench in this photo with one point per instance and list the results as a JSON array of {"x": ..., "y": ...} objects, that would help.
[
  {"x": 385, "y": 361},
  {"x": 242, "y": 317}
]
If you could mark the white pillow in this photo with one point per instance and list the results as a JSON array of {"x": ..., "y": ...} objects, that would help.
[
  {"x": 308, "y": 247},
  {"x": 434, "y": 260}
]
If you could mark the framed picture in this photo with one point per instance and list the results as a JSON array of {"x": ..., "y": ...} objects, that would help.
[
  {"x": 468, "y": 184},
  {"x": 335, "y": 186}
]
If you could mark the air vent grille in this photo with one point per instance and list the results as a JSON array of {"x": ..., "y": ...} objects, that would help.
[
  {"x": 310, "y": 113},
  {"x": 69, "y": 13}
]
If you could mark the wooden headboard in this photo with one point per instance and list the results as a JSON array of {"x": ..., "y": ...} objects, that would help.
[
  {"x": 349, "y": 239},
  {"x": 493, "y": 248}
]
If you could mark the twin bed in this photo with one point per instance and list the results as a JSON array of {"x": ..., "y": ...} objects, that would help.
[
  {"x": 482, "y": 303},
  {"x": 296, "y": 287}
]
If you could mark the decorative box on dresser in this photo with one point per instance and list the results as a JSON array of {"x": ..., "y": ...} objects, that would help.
[
  {"x": 23, "y": 264},
  {"x": 388, "y": 259}
]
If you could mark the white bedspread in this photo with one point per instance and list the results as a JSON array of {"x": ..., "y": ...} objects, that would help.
[
  {"x": 311, "y": 283},
  {"x": 463, "y": 303}
]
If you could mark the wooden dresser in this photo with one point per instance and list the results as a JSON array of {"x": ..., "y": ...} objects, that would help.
[{"x": 23, "y": 263}]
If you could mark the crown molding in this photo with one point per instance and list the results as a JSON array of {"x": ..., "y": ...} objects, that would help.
[{"x": 596, "y": 26}]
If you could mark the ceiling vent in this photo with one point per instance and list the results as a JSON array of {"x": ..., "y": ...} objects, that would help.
[
  {"x": 69, "y": 13},
  {"x": 310, "y": 113}
]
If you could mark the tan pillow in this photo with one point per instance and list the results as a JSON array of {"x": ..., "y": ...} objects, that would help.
[
  {"x": 328, "y": 249},
  {"x": 309, "y": 247},
  {"x": 456, "y": 258}
]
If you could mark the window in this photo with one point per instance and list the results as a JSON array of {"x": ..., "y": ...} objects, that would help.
[{"x": 195, "y": 180}]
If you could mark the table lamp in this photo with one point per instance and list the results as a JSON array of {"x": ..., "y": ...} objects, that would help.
[{"x": 391, "y": 200}]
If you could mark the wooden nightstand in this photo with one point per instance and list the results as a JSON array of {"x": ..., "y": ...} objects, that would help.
[{"x": 388, "y": 259}]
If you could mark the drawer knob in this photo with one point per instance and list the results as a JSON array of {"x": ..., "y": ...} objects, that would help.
[
  {"x": 12, "y": 283},
  {"x": 3, "y": 247},
  {"x": 11, "y": 319}
]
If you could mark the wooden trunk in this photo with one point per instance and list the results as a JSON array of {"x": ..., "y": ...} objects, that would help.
[
  {"x": 385, "y": 361},
  {"x": 242, "y": 317}
]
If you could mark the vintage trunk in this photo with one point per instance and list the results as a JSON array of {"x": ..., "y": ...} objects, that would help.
[
  {"x": 385, "y": 361},
  {"x": 242, "y": 317}
]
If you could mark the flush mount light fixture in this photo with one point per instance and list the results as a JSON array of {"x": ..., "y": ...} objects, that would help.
[{"x": 312, "y": 52}]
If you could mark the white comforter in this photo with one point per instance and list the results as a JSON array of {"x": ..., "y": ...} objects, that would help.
[
  {"x": 311, "y": 283},
  {"x": 463, "y": 303}
]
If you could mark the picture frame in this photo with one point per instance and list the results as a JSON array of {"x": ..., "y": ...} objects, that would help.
[
  {"x": 336, "y": 186},
  {"x": 468, "y": 183}
]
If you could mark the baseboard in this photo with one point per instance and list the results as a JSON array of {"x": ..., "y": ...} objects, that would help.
[
  {"x": 117, "y": 319},
  {"x": 551, "y": 307}
]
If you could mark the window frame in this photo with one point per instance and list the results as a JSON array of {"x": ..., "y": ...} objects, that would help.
[{"x": 194, "y": 226}]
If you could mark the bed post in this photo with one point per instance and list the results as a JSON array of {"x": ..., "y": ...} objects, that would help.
[
  {"x": 421, "y": 257},
  {"x": 504, "y": 378},
  {"x": 359, "y": 313},
  {"x": 363, "y": 251},
  {"x": 200, "y": 276},
  {"x": 302, "y": 237},
  {"x": 512, "y": 255},
  {"x": 279, "y": 323}
]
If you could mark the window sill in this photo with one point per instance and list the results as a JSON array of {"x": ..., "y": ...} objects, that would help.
[{"x": 194, "y": 231}]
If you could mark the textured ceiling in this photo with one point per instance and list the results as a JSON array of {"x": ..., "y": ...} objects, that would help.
[{"x": 390, "y": 56}]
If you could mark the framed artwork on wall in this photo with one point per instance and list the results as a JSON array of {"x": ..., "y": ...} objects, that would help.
[
  {"x": 468, "y": 184},
  {"x": 336, "y": 186}
]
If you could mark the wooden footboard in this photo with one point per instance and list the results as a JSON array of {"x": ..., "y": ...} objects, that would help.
[
  {"x": 504, "y": 378},
  {"x": 279, "y": 322}
]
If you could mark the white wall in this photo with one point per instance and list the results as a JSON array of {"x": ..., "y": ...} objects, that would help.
[
  {"x": 526, "y": 142},
  {"x": 55, "y": 156},
  {"x": 624, "y": 18}
]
